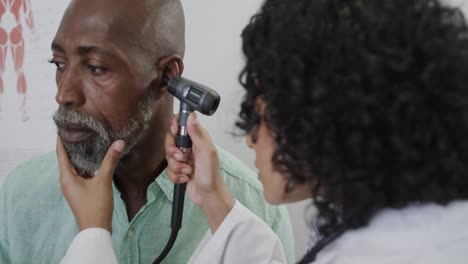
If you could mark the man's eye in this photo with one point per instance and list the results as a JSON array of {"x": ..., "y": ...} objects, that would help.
[
  {"x": 96, "y": 69},
  {"x": 60, "y": 65}
]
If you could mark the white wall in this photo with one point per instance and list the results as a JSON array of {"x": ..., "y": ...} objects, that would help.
[{"x": 213, "y": 57}]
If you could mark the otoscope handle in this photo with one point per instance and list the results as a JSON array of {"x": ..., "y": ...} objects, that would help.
[
  {"x": 178, "y": 206},
  {"x": 183, "y": 142}
]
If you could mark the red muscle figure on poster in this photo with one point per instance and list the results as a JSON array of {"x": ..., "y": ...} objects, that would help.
[{"x": 14, "y": 14}]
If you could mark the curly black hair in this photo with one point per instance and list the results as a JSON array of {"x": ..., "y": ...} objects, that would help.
[{"x": 367, "y": 101}]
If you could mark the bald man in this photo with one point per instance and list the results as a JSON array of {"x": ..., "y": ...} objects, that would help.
[{"x": 110, "y": 58}]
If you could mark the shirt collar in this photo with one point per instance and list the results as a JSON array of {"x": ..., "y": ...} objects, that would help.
[
  {"x": 161, "y": 182},
  {"x": 166, "y": 186}
]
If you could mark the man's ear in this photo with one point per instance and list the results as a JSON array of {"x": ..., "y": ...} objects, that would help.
[{"x": 169, "y": 66}]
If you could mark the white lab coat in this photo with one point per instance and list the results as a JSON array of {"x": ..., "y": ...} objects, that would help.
[
  {"x": 241, "y": 238},
  {"x": 417, "y": 234}
]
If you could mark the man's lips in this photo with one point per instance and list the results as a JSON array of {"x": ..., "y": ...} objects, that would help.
[{"x": 73, "y": 133}]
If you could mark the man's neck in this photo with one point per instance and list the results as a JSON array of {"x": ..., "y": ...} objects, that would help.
[
  {"x": 133, "y": 185},
  {"x": 139, "y": 169}
]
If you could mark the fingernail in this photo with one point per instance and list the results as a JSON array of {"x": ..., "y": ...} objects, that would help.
[
  {"x": 119, "y": 146},
  {"x": 183, "y": 179},
  {"x": 186, "y": 170},
  {"x": 178, "y": 156}
]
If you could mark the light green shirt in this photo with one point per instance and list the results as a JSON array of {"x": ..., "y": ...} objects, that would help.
[{"x": 37, "y": 225}]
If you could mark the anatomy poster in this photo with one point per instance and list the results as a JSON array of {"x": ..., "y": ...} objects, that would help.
[{"x": 27, "y": 81}]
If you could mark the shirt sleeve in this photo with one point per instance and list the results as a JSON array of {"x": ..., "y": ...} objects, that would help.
[
  {"x": 93, "y": 246},
  {"x": 241, "y": 238}
]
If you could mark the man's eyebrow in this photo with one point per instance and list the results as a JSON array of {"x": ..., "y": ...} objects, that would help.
[
  {"x": 81, "y": 50},
  {"x": 93, "y": 49}
]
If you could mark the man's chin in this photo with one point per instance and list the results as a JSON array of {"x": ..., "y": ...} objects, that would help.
[
  {"x": 85, "y": 157},
  {"x": 84, "y": 167}
]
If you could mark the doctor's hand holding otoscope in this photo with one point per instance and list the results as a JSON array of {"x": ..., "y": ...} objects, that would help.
[
  {"x": 205, "y": 187},
  {"x": 189, "y": 144}
]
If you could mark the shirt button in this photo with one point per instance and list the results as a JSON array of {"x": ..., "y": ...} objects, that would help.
[{"x": 131, "y": 233}]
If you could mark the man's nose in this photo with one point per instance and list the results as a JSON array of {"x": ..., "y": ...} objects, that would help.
[{"x": 70, "y": 89}]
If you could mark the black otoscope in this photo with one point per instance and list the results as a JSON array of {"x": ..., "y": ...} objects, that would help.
[{"x": 193, "y": 97}]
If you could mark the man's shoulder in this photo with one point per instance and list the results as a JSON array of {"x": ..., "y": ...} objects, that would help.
[
  {"x": 245, "y": 187},
  {"x": 236, "y": 170},
  {"x": 33, "y": 173}
]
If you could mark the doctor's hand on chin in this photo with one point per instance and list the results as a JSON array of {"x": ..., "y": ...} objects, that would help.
[
  {"x": 90, "y": 199},
  {"x": 200, "y": 170}
]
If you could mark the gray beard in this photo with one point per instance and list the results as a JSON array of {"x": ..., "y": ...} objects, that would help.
[{"x": 88, "y": 155}]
